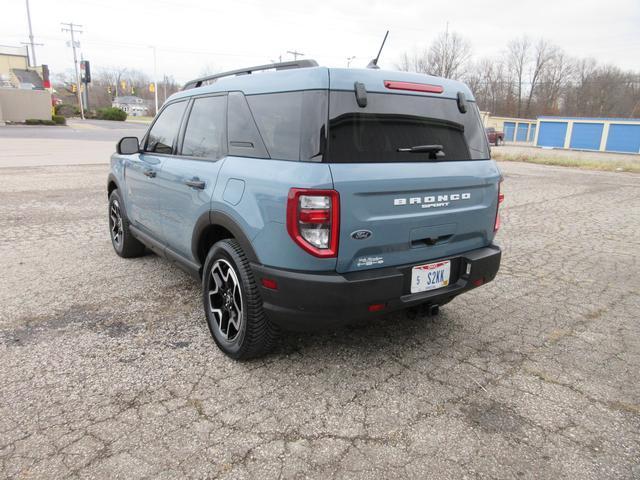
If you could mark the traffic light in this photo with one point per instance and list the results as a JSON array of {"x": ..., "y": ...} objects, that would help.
[
  {"x": 85, "y": 71},
  {"x": 123, "y": 85},
  {"x": 74, "y": 87},
  {"x": 152, "y": 87},
  {"x": 109, "y": 89}
]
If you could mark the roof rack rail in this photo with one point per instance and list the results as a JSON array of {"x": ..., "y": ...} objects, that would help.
[{"x": 198, "y": 82}]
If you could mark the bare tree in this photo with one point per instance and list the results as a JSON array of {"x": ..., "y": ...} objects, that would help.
[
  {"x": 413, "y": 62},
  {"x": 448, "y": 55},
  {"x": 554, "y": 80},
  {"x": 518, "y": 58},
  {"x": 542, "y": 57},
  {"x": 488, "y": 80},
  {"x": 532, "y": 79}
]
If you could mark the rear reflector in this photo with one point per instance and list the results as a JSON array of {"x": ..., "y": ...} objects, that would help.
[
  {"x": 479, "y": 281},
  {"x": 413, "y": 87},
  {"x": 376, "y": 307},
  {"x": 269, "y": 283},
  {"x": 496, "y": 226}
]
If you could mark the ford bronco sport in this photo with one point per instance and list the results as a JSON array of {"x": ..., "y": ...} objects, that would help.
[{"x": 303, "y": 196}]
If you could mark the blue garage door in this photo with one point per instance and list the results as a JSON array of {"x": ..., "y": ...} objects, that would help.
[
  {"x": 552, "y": 134},
  {"x": 521, "y": 134},
  {"x": 532, "y": 132},
  {"x": 586, "y": 136},
  {"x": 509, "y": 131},
  {"x": 623, "y": 138}
]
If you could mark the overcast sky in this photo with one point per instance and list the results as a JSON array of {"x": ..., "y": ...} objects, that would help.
[{"x": 194, "y": 35}]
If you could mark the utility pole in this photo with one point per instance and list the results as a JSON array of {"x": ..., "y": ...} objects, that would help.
[
  {"x": 73, "y": 29},
  {"x": 164, "y": 87},
  {"x": 155, "y": 77},
  {"x": 33, "y": 48},
  {"x": 295, "y": 54}
]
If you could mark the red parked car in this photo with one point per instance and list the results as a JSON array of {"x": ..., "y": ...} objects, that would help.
[{"x": 494, "y": 137}]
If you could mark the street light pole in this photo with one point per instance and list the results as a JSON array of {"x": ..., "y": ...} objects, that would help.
[{"x": 155, "y": 77}]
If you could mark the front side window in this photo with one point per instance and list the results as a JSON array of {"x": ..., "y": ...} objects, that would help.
[
  {"x": 165, "y": 129},
  {"x": 204, "y": 136}
]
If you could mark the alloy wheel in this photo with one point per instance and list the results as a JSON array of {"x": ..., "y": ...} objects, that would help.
[
  {"x": 115, "y": 223},
  {"x": 225, "y": 299}
]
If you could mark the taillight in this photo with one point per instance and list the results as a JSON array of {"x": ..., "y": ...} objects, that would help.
[
  {"x": 496, "y": 226},
  {"x": 313, "y": 220}
]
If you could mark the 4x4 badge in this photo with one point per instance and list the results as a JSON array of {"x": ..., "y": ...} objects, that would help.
[{"x": 361, "y": 234}]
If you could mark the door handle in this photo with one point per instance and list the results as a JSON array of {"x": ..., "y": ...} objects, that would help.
[
  {"x": 150, "y": 173},
  {"x": 195, "y": 183}
]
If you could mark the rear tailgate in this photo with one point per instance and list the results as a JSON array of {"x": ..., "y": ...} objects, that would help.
[
  {"x": 413, "y": 173},
  {"x": 415, "y": 212}
]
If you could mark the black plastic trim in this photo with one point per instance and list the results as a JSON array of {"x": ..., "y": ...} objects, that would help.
[
  {"x": 220, "y": 218},
  {"x": 161, "y": 249},
  {"x": 216, "y": 217},
  {"x": 308, "y": 300}
]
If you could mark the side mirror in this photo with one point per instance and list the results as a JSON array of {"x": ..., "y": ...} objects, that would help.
[{"x": 128, "y": 146}]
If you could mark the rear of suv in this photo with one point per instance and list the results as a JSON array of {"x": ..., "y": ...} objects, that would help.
[{"x": 302, "y": 196}]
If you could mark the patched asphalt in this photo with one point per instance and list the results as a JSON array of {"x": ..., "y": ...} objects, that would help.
[{"x": 107, "y": 368}]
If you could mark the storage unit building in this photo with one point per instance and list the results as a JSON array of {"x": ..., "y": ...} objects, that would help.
[
  {"x": 599, "y": 134},
  {"x": 515, "y": 129}
]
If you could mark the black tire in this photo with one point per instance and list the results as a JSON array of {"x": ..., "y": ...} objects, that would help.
[
  {"x": 249, "y": 333},
  {"x": 124, "y": 243}
]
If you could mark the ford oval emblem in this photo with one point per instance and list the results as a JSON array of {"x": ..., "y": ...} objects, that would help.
[{"x": 361, "y": 234}]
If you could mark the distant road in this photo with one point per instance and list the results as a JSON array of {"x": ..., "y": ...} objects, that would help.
[
  {"x": 81, "y": 142},
  {"x": 77, "y": 129}
]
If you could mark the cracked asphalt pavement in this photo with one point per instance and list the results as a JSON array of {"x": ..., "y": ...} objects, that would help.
[{"x": 107, "y": 369}]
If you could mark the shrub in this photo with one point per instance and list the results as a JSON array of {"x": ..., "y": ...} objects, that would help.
[
  {"x": 59, "y": 120},
  {"x": 66, "y": 110},
  {"x": 38, "y": 121},
  {"x": 111, "y": 113}
]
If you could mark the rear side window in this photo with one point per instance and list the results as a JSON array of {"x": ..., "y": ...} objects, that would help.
[
  {"x": 390, "y": 122},
  {"x": 244, "y": 137},
  {"x": 291, "y": 124},
  {"x": 204, "y": 136},
  {"x": 165, "y": 129}
]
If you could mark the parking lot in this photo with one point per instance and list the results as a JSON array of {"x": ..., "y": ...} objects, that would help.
[{"x": 108, "y": 369}]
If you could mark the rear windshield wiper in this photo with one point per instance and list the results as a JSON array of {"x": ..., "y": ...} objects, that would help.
[{"x": 436, "y": 151}]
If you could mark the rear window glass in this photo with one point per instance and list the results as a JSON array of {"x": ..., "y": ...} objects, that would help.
[
  {"x": 291, "y": 124},
  {"x": 244, "y": 138},
  {"x": 392, "y": 121}
]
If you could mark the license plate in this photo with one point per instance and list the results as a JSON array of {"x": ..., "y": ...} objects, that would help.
[{"x": 430, "y": 276}]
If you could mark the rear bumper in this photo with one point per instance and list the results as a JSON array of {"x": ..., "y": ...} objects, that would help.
[{"x": 306, "y": 300}]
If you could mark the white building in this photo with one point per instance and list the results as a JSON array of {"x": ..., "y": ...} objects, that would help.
[{"x": 132, "y": 105}]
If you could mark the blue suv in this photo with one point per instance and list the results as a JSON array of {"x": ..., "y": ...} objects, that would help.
[{"x": 304, "y": 196}]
